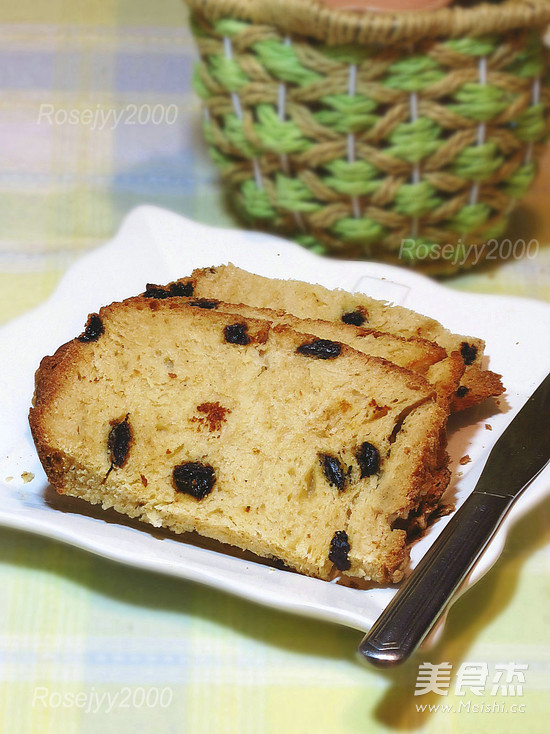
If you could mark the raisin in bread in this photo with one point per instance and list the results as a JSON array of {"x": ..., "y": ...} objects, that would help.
[
  {"x": 271, "y": 440},
  {"x": 229, "y": 283},
  {"x": 414, "y": 353}
]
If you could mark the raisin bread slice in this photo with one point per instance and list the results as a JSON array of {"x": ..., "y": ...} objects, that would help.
[
  {"x": 280, "y": 443},
  {"x": 443, "y": 371},
  {"x": 229, "y": 283}
]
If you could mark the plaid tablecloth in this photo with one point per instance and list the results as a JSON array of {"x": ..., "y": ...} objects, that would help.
[{"x": 90, "y": 646}]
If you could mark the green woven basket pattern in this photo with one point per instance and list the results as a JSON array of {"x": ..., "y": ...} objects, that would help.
[{"x": 351, "y": 150}]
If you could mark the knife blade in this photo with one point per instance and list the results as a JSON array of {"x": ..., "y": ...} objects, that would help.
[{"x": 518, "y": 456}]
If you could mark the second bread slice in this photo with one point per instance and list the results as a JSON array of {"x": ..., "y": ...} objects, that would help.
[
  {"x": 229, "y": 283},
  {"x": 419, "y": 355}
]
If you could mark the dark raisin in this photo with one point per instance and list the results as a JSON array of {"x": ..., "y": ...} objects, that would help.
[
  {"x": 462, "y": 390},
  {"x": 194, "y": 478},
  {"x": 204, "y": 303},
  {"x": 339, "y": 549},
  {"x": 181, "y": 289},
  {"x": 333, "y": 471},
  {"x": 468, "y": 352},
  {"x": 118, "y": 443},
  {"x": 93, "y": 329},
  {"x": 156, "y": 291},
  {"x": 236, "y": 334},
  {"x": 355, "y": 318},
  {"x": 173, "y": 290},
  {"x": 368, "y": 459},
  {"x": 320, "y": 349}
]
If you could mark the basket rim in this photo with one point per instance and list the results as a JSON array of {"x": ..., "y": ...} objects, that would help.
[{"x": 313, "y": 18}]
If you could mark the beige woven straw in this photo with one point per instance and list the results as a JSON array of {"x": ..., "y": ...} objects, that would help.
[
  {"x": 313, "y": 18},
  {"x": 353, "y": 133}
]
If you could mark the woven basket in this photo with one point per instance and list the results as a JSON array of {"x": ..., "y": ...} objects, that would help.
[{"x": 399, "y": 137}]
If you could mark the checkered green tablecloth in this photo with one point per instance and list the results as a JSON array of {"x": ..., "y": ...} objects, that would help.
[{"x": 90, "y": 646}]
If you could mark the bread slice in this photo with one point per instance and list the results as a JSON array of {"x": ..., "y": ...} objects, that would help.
[
  {"x": 251, "y": 433},
  {"x": 443, "y": 371},
  {"x": 229, "y": 283}
]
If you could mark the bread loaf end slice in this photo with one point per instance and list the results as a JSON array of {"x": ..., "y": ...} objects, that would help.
[{"x": 278, "y": 442}]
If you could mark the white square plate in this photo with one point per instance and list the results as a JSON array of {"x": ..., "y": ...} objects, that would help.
[{"x": 157, "y": 246}]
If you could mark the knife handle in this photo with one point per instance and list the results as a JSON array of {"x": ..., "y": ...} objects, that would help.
[{"x": 415, "y": 608}]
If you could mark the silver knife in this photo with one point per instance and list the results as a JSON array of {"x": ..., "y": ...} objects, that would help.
[{"x": 518, "y": 456}]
